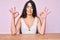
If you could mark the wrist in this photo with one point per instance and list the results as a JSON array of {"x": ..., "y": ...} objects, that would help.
[{"x": 44, "y": 19}]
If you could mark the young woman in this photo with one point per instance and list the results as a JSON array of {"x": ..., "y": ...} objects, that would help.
[{"x": 29, "y": 22}]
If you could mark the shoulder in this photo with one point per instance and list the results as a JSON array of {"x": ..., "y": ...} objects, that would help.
[
  {"x": 38, "y": 19},
  {"x": 19, "y": 19}
]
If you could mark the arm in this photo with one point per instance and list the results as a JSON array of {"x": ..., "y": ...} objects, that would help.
[
  {"x": 14, "y": 27},
  {"x": 42, "y": 26},
  {"x": 18, "y": 26}
]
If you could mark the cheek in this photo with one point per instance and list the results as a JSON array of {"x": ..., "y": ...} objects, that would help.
[
  {"x": 32, "y": 10},
  {"x": 27, "y": 9}
]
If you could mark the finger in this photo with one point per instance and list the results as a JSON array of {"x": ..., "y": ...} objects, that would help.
[
  {"x": 10, "y": 10},
  {"x": 16, "y": 14},
  {"x": 41, "y": 13},
  {"x": 49, "y": 12},
  {"x": 14, "y": 8},
  {"x": 46, "y": 9}
]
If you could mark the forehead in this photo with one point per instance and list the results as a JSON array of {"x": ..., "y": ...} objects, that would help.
[{"x": 29, "y": 4}]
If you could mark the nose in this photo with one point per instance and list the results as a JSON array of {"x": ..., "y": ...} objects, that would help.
[{"x": 29, "y": 8}]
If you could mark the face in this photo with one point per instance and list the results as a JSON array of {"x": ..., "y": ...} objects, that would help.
[{"x": 29, "y": 9}]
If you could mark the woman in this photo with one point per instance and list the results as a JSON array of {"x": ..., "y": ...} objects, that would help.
[{"x": 29, "y": 22}]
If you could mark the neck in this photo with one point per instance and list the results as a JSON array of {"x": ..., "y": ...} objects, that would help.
[{"x": 29, "y": 16}]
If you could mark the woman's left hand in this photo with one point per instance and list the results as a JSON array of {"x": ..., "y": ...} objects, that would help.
[{"x": 44, "y": 13}]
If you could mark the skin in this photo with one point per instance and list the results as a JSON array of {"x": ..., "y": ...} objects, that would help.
[{"x": 29, "y": 10}]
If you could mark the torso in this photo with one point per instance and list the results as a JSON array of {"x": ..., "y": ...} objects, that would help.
[{"x": 29, "y": 24}]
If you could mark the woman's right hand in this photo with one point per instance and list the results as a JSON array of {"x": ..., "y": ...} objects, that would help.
[{"x": 14, "y": 12}]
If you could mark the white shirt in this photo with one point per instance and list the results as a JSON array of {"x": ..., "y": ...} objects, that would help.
[{"x": 25, "y": 29}]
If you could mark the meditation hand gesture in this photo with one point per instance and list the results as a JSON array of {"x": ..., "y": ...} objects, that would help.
[
  {"x": 14, "y": 12},
  {"x": 44, "y": 13}
]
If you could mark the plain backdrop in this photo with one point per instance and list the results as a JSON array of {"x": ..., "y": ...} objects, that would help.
[{"x": 52, "y": 21}]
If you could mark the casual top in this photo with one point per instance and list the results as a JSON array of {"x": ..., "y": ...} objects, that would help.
[{"x": 25, "y": 29}]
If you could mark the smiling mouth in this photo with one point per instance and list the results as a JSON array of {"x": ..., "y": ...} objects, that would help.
[{"x": 29, "y": 11}]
